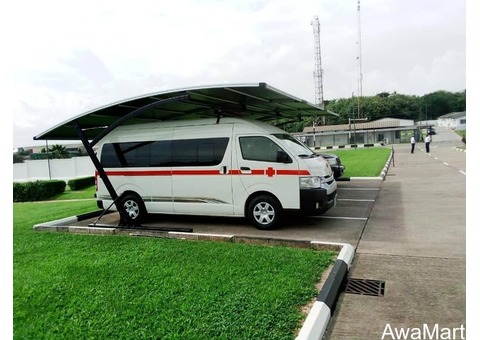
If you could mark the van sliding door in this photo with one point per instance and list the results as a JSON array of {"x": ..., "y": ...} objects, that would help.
[{"x": 201, "y": 161}]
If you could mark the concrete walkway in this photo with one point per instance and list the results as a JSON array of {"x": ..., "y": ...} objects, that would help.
[{"x": 414, "y": 241}]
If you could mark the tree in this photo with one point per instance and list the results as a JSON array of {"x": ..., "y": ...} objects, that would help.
[
  {"x": 58, "y": 151},
  {"x": 388, "y": 105},
  {"x": 17, "y": 158},
  {"x": 439, "y": 103}
]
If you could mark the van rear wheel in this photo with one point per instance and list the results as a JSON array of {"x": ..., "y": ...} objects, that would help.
[
  {"x": 133, "y": 209},
  {"x": 264, "y": 212}
]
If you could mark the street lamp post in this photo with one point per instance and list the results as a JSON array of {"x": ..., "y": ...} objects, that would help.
[{"x": 313, "y": 134}]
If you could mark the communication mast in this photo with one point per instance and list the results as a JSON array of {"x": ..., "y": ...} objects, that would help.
[
  {"x": 318, "y": 71},
  {"x": 359, "y": 61}
]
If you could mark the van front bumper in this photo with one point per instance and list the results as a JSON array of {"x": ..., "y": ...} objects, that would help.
[{"x": 316, "y": 201}]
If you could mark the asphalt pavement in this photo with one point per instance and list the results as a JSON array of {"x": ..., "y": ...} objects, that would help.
[{"x": 414, "y": 246}]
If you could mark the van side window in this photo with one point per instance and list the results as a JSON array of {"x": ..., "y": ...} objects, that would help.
[
  {"x": 199, "y": 152},
  {"x": 136, "y": 154},
  {"x": 185, "y": 152},
  {"x": 262, "y": 149}
]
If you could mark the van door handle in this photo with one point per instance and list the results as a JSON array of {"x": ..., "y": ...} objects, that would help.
[{"x": 245, "y": 170}]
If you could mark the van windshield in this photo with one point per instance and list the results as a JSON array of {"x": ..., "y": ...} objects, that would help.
[{"x": 293, "y": 144}]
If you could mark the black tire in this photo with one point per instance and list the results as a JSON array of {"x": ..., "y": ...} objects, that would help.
[
  {"x": 133, "y": 209},
  {"x": 264, "y": 212}
]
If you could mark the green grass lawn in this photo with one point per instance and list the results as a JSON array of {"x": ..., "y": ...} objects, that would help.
[
  {"x": 74, "y": 286},
  {"x": 363, "y": 162},
  {"x": 70, "y": 286},
  {"x": 76, "y": 194}
]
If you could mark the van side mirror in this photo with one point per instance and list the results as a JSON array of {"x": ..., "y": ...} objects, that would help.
[{"x": 283, "y": 157}]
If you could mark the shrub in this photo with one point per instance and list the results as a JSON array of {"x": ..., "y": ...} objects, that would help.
[
  {"x": 81, "y": 183},
  {"x": 37, "y": 191}
]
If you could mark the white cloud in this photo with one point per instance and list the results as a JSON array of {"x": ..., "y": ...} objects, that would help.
[{"x": 69, "y": 57}]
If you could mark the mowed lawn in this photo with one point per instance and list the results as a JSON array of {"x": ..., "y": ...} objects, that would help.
[
  {"x": 363, "y": 162},
  {"x": 74, "y": 286}
]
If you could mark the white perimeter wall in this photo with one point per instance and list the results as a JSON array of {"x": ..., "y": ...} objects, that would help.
[{"x": 64, "y": 169}]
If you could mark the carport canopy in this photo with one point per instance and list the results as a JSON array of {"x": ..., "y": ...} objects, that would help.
[
  {"x": 254, "y": 101},
  {"x": 259, "y": 102}
]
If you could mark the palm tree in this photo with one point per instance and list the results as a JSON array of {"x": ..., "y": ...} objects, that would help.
[{"x": 58, "y": 151}]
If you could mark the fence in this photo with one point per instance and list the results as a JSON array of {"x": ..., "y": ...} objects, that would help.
[{"x": 64, "y": 169}]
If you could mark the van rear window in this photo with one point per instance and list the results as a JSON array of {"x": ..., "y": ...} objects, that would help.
[{"x": 185, "y": 152}]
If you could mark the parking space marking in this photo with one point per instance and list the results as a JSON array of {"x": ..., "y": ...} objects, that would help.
[
  {"x": 448, "y": 164},
  {"x": 358, "y": 189},
  {"x": 344, "y": 218},
  {"x": 354, "y": 200}
]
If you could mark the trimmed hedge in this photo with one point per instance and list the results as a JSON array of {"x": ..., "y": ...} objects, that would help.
[
  {"x": 38, "y": 190},
  {"x": 81, "y": 183}
]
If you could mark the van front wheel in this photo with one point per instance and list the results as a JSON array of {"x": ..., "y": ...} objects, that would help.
[
  {"x": 264, "y": 212},
  {"x": 133, "y": 209}
]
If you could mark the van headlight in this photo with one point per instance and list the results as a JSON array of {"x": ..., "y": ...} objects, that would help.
[
  {"x": 310, "y": 182},
  {"x": 332, "y": 161}
]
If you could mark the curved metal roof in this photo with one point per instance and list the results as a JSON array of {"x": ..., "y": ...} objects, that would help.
[{"x": 254, "y": 101}]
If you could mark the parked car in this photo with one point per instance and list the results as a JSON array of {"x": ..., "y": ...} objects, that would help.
[{"x": 335, "y": 163}]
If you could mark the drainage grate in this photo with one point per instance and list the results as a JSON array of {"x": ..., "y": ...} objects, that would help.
[{"x": 365, "y": 287}]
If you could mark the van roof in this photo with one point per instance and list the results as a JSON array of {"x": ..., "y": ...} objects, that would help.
[
  {"x": 208, "y": 122},
  {"x": 255, "y": 101}
]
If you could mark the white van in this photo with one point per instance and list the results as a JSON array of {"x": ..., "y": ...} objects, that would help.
[{"x": 225, "y": 167}]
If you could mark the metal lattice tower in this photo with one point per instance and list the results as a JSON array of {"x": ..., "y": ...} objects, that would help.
[
  {"x": 359, "y": 61},
  {"x": 318, "y": 71}
]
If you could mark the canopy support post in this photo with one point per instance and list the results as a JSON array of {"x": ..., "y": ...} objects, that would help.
[
  {"x": 101, "y": 171},
  {"x": 98, "y": 166}
]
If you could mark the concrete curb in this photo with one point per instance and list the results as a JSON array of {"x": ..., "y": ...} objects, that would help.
[
  {"x": 387, "y": 165},
  {"x": 319, "y": 316},
  {"x": 347, "y": 146}
]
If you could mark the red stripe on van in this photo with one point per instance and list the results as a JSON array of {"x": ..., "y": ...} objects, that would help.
[
  {"x": 270, "y": 172},
  {"x": 294, "y": 172},
  {"x": 195, "y": 172},
  {"x": 140, "y": 173}
]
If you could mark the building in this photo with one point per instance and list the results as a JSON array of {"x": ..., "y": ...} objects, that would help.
[
  {"x": 454, "y": 120},
  {"x": 382, "y": 131}
]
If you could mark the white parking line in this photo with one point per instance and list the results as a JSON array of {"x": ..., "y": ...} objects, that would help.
[
  {"x": 462, "y": 172},
  {"x": 344, "y": 218},
  {"x": 446, "y": 163},
  {"x": 358, "y": 189},
  {"x": 354, "y": 200}
]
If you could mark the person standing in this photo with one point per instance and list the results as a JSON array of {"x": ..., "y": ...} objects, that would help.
[
  {"x": 412, "y": 141},
  {"x": 427, "y": 143}
]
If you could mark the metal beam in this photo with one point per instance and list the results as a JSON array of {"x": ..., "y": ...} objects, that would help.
[
  {"x": 101, "y": 171},
  {"x": 134, "y": 114},
  {"x": 91, "y": 153}
]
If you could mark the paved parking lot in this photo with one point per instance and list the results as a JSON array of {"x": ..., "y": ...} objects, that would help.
[
  {"x": 409, "y": 231},
  {"x": 344, "y": 223}
]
